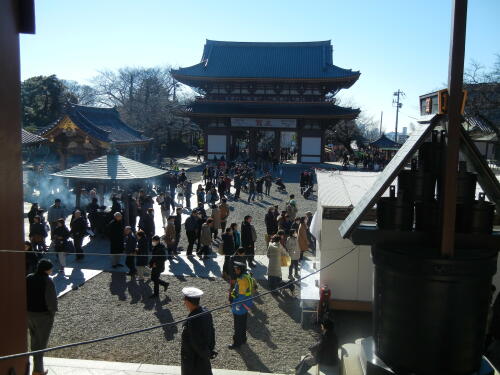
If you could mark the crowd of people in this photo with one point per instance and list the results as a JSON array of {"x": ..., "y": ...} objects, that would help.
[
  {"x": 134, "y": 237},
  {"x": 370, "y": 159}
]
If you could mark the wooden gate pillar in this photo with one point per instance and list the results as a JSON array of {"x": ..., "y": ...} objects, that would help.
[{"x": 15, "y": 17}]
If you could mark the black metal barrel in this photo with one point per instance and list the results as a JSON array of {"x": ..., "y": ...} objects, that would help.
[
  {"x": 483, "y": 215},
  {"x": 430, "y": 313},
  {"x": 418, "y": 186},
  {"x": 427, "y": 216},
  {"x": 394, "y": 213}
]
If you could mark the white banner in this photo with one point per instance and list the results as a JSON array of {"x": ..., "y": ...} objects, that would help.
[
  {"x": 216, "y": 143},
  {"x": 263, "y": 123}
]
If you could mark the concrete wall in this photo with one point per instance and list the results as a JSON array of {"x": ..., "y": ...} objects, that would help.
[{"x": 350, "y": 279}]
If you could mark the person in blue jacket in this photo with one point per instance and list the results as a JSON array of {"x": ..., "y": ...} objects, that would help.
[{"x": 242, "y": 291}]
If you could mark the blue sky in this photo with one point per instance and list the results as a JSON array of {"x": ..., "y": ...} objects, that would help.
[{"x": 396, "y": 44}]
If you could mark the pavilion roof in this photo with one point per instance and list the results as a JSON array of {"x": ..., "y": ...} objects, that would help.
[
  {"x": 102, "y": 123},
  {"x": 30, "y": 138},
  {"x": 301, "y": 60},
  {"x": 384, "y": 143},
  {"x": 111, "y": 167},
  {"x": 269, "y": 109}
]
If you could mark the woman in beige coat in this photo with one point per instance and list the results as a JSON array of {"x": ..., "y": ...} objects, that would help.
[
  {"x": 275, "y": 251},
  {"x": 294, "y": 251},
  {"x": 302, "y": 237},
  {"x": 206, "y": 238}
]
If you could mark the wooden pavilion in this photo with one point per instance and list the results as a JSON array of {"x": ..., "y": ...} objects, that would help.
[
  {"x": 31, "y": 144},
  {"x": 386, "y": 146},
  {"x": 110, "y": 170},
  {"x": 84, "y": 133}
]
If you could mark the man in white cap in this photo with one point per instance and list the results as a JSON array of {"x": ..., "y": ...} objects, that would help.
[{"x": 198, "y": 336}]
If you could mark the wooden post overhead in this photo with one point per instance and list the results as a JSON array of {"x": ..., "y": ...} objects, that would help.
[{"x": 455, "y": 82}]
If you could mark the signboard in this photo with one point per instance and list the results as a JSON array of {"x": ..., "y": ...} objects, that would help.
[
  {"x": 262, "y": 123},
  {"x": 436, "y": 103},
  {"x": 386, "y": 177}
]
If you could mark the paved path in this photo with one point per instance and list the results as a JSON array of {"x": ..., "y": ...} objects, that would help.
[
  {"x": 64, "y": 366},
  {"x": 78, "y": 272}
]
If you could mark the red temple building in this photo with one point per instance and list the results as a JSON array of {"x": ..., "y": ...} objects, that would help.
[{"x": 258, "y": 98}]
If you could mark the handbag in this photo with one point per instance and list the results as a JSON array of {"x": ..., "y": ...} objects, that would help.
[
  {"x": 285, "y": 261},
  {"x": 220, "y": 250},
  {"x": 69, "y": 246}
]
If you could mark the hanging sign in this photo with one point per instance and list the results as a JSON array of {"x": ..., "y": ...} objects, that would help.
[{"x": 262, "y": 123}]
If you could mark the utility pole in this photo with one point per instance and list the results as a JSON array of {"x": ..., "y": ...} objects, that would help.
[
  {"x": 381, "y": 117},
  {"x": 396, "y": 102}
]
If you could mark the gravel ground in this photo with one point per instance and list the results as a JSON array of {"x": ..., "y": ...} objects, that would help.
[
  {"x": 110, "y": 303},
  {"x": 258, "y": 209}
]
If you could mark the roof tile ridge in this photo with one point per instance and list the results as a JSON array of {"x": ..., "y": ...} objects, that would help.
[
  {"x": 91, "y": 124},
  {"x": 137, "y": 132},
  {"x": 49, "y": 127},
  {"x": 201, "y": 63},
  {"x": 92, "y": 107},
  {"x": 108, "y": 132},
  {"x": 316, "y": 43}
]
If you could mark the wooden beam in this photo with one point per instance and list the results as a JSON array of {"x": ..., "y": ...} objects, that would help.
[
  {"x": 12, "y": 266},
  {"x": 455, "y": 82},
  {"x": 351, "y": 79}
]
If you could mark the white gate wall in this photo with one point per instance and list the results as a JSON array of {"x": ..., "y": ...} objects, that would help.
[{"x": 216, "y": 146}]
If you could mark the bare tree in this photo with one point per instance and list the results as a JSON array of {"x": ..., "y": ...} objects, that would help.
[
  {"x": 83, "y": 94},
  {"x": 368, "y": 127},
  {"x": 362, "y": 129},
  {"x": 477, "y": 73},
  {"x": 483, "y": 87},
  {"x": 345, "y": 132},
  {"x": 146, "y": 99}
]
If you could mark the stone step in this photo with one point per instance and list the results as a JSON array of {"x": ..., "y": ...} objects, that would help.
[{"x": 67, "y": 366}]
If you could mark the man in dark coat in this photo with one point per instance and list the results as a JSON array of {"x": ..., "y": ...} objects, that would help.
[
  {"x": 178, "y": 227},
  {"x": 325, "y": 352},
  {"x": 189, "y": 193},
  {"x": 78, "y": 232},
  {"x": 130, "y": 246},
  {"x": 92, "y": 209},
  {"x": 198, "y": 336},
  {"x": 248, "y": 238},
  {"x": 115, "y": 234},
  {"x": 132, "y": 212},
  {"x": 271, "y": 223},
  {"x": 268, "y": 182},
  {"x": 168, "y": 202},
  {"x": 147, "y": 225},
  {"x": 192, "y": 234},
  {"x": 228, "y": 248},
  {"x": 157, "y": 265},
  {"x": 41, "y": 298},
  {"x": 303, "y": 182},
  {"x": 237, "y": 186},
  {"x": 182, "y": 177}
]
